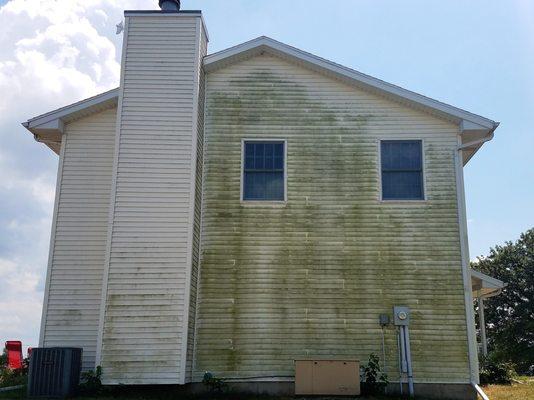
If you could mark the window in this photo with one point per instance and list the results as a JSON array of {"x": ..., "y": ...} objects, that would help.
[
  {"x": 263, "y": 171},
  {"x": 402, "y": 169}
]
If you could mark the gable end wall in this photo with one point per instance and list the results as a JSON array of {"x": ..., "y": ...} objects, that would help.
[{"x": 310, "y": 278}]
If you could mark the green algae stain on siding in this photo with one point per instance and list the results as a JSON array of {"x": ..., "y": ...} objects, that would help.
[{"x": 309, "y": 278}]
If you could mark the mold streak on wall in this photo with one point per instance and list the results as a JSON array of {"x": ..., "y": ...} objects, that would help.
[
  {"x": 78, "y": 255},
  {"x": 310, "y": 278}
]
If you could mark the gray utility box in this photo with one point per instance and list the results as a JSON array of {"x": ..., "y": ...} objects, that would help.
[
  {"x": 401, "y": 316},
  {"x": 54, "y": 372}
]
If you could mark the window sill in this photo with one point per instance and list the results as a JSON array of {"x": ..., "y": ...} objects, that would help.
[
  {"x": 424, "y": 201},
  {"x": 263, "y": 204}
]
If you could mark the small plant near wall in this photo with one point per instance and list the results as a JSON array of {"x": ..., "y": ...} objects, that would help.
[
  {"x": 92, "y": 382},
  {"x": 374, "y": 380},
  {"x": 214, "y": 385},
  {"x": 494, "y": 371}
]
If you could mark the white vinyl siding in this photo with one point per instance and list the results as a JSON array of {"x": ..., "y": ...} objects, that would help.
[
  {"x": 146, "y": 318},
  {"x": 198, "y": 216},
  {"x": 79, "y": 240},
  {"x": 309, "y": 278}
]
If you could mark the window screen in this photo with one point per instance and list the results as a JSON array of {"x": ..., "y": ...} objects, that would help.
[
  {"x": 402, "y": 169},
  {"x": 263, "y": 171}
]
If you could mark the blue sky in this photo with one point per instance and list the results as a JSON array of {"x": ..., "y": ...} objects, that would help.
[{"x": 477, "y": 55}]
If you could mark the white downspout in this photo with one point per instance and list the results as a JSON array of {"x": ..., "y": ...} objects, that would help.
[{"x": 480, "y": 392}]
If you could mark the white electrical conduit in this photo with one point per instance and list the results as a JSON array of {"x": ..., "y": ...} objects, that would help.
[
  {"x": 409, "y": 360},
  {"x": 405, "y": 358},
  {"x": 401, "y": 359}
]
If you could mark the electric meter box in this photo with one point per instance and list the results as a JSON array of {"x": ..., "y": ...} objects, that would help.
[{"x": 401, "y": 316}]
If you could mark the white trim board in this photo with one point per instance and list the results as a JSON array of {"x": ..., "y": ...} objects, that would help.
[{"x": 466, "y": 274}]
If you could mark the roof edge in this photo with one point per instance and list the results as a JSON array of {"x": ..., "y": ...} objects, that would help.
[
  {"x": 47, "y": 128},
  {"x": 64, "y": 111},
  {"x": 226, "y": 57},
  {"x": 488, "y": 279}
]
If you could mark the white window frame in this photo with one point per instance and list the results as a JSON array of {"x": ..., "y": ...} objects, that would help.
[
  {"x": 242, "y": 178},
  {"x": 379, "y": 168}
]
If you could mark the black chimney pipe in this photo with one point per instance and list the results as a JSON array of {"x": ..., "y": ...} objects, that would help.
[{"x": 169, "y": 5}]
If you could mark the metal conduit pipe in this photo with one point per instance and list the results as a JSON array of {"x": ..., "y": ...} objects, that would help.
[
  {"x": 409, "y": 360},
  {"x": 400, "y": 359},
  {"x": 402, "y": 320}
]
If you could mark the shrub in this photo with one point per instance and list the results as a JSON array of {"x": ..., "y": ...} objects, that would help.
[
  {"x": 374, "y": 380},
  {"x": 493, "y": 370},
  {"x": 215, "y": 385},
  {"x": 92, "y": 382}
]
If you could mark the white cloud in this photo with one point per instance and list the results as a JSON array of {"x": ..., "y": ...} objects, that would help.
[{"x": 52, "y": 53}]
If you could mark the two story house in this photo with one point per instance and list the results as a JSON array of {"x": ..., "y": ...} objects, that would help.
[{"x": 237, "y": 211}]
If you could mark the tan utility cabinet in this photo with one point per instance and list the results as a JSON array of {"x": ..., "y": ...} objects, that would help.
[{"x": 327, "y": 377}]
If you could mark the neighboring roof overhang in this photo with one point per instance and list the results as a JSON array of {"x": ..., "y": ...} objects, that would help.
[
  {"x": 484, "y": 285},
  {"x": 475, "y": 129},
  {"x": 48, "y": 128}
]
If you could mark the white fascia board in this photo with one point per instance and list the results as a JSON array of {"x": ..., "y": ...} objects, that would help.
[
  {"x": 51, "y": 118},
  {"x": 48, "y": 128},
  {"x": 488, "y": 281},
  {"x": 263, "y": 43}
]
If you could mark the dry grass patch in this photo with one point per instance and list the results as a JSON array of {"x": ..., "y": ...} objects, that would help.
[{"x": 517, "y": 391}]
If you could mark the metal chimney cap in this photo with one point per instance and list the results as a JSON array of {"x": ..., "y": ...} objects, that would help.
[{"x": 169, "y": 5}]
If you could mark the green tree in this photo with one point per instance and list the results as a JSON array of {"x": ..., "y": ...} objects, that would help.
[{"x": 510, "y": 315}]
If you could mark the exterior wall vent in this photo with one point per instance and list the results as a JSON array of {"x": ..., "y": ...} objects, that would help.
[
  {"x": 54, "y": 372},
  {"x": 169, "y": 5}
]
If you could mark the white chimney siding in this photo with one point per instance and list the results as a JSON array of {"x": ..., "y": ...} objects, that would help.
[{"x": 148, "y": 271}]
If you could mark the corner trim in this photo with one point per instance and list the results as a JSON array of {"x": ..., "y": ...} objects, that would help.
[
  {"x": 112, "y": 200},
  {"x": 59, "y": 181},
  {"x": 192, "y": 194},
  {"x": 466, "y": 275}
]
